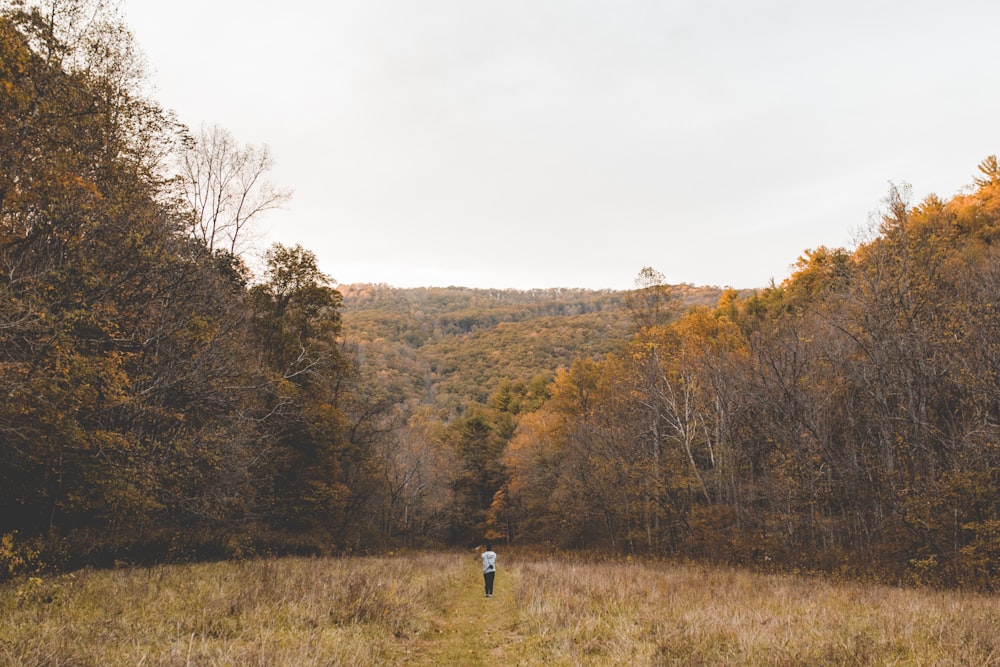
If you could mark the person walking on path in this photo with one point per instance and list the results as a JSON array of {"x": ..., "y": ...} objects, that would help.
[{"x": 489, "y": 568}]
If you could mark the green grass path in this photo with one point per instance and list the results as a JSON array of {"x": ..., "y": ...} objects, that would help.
[{"x": 467, "y": 628}]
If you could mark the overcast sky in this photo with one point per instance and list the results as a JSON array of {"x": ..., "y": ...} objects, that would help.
[{"x": 570, "y": 143}]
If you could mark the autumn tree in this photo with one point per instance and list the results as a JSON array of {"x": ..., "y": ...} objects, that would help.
[
  {"x": 297, "y": 323},
  {"x": 75, "y": 201},
  {"x": 653, "y": 302},
  {"x": 128, "y": 362},
  {"x": 417, "y": 469}
]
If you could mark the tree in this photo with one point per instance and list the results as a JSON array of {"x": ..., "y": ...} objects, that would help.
[
  {"x": 417, "y": 469},
  {"x": 652, "y": 302},
  {"x": 125, "y": 351},
  {"x": 74, "y": 199},
  {"x": 297, "y": 323},
  {"x": 478, "y": 443},
  {"x": 225, "y": 187},
  {"x": 990, "y": 170}
]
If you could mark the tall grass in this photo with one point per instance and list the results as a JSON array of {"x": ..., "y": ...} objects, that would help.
[
  {"x": 429, "y": 609},
  {"x": 611, "y": 613},
  {"x": 270, "y": 612}
]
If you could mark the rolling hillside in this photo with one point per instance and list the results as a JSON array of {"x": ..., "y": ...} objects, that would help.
[{"x": 453, "y": 345}]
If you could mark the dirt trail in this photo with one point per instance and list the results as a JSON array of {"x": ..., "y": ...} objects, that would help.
[{"x": 469, "y": 629}]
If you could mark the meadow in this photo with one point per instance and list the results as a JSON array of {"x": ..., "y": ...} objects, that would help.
[{"x": 429, "y": 609}]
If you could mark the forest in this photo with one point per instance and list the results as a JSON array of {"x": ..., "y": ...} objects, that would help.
[
  {"x": 453, "y": 345},
  {"x": 165, "y": 402}
]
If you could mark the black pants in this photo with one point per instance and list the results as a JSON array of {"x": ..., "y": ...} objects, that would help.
[{"x": 488, "y": 577}]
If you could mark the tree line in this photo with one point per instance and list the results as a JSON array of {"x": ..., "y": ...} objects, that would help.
[
  {"x": 847, "y": 419},
  {"x": 844, "y": 420},
  {"x": 158, "y": 397}
]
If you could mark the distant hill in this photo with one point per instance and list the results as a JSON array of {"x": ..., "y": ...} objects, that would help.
[{"x": 454, "y": 345}]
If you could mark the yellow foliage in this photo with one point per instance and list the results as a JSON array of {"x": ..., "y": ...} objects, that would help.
[{"x": 16, "y": 556}]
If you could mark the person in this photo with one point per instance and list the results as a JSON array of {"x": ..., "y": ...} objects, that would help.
[{"x": 489, "y": 568}]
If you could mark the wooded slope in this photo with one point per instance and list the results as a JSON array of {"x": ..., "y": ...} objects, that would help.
[{"x": 454, "y": 345}]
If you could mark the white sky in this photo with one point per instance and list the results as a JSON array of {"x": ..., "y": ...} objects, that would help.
[{"x": 570, "y": 143}]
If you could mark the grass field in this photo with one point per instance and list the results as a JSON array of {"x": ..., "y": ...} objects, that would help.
[{"x": 429, "y": 609}]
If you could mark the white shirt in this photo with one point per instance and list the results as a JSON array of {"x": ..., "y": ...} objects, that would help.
[{"x": 489, "y": 561}]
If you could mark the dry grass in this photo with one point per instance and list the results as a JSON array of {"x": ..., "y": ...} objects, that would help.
[
  {"x": 275, "y": 612},
  {"x": 428, "y": 609},
  {"x": 607, "y": 613}
]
